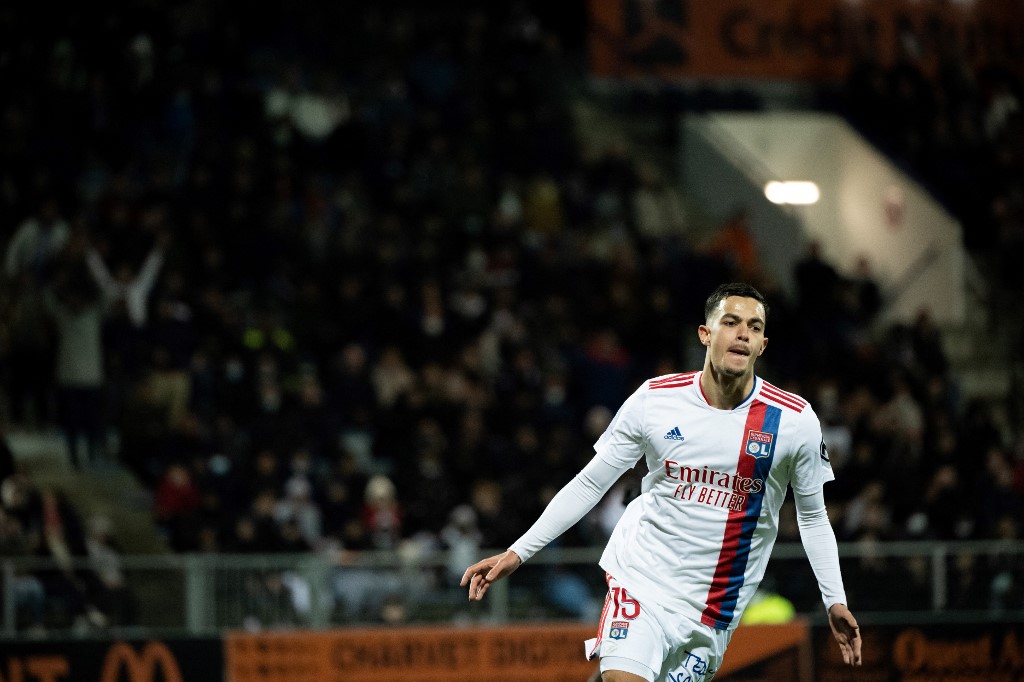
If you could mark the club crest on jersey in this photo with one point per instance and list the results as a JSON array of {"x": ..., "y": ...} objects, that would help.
[
  {"x": 619, "y": 629},
  {"x": 759, "y": 444}
]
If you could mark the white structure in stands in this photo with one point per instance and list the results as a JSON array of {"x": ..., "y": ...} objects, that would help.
[{"x": 866, "y": 205}]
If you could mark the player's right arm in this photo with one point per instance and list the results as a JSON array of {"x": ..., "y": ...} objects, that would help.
[
  {"x": 618, "y": 449},
  {"x": 566, "y": 508}
]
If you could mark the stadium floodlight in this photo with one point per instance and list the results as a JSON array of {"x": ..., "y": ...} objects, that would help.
[{"x": 800, "y": 192}]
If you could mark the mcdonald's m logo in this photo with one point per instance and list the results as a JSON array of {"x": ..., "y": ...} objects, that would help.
[{"x": 140, "y": 666}]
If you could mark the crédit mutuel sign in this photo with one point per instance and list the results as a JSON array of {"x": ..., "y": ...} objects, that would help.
[{"x": 798, "y": 39}]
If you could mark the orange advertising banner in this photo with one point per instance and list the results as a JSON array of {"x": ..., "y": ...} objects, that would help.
[
  {"x": 542, "y": 653},
  {"x": 521, "y": 653},
  {"x": 970, "y": 652},
  {"x": 797, "y": 39}
]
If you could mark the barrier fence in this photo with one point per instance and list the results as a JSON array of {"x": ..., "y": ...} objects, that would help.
[{"x": 196, "y": 595}]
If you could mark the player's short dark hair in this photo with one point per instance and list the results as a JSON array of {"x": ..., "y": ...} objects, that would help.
[{"x": 724, "y": 291}]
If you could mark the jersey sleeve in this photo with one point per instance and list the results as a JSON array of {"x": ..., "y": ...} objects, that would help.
[
  {"x": 623, "y": 443},
  {"x": 812, "y": 468},
  {"x": 567, "y": 507},
  {"x": 819, "y": 541},
  {"x": 616, "y": 451}
]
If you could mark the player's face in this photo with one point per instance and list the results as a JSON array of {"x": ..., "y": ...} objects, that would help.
[{"x": 734, "y": 335}]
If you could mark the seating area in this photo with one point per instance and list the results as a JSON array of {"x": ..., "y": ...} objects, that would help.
[{"x": 339, "y": 282}]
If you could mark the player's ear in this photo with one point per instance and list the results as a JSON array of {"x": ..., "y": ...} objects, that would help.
[
  {"x": 764, "y": 344},
  {"x": 704, "y": 334}
]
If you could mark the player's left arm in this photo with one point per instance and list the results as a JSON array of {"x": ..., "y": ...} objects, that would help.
[
  {"x": 847, "y": 633},
  {"x": 812, "y": 470},
  {"x": 819, "y": 541}
]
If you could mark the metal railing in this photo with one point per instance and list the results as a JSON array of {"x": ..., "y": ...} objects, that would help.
[{"x": 197, "y": 594}]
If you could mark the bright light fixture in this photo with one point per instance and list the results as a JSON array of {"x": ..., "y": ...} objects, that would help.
[{"x": 792, "y": 192}]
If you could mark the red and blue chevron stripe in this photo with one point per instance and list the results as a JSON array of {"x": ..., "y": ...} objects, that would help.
[
  {"x": 673, "y": 381},
  {"x": 739, "y": 529}
]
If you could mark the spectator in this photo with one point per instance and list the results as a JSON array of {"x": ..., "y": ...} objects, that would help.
[
  {"x": 125, "y": 288},
  {"x": 299, "y": 513},
  {"x": 657, "y": 207},
  {"x": 26, "y": 589},
  {"x": 382, "y": 514},
  {"x": 999, "y": 507},
  {"x": 461, "y": 537},
  {"x": 77, "y": 311},
  {"x": 126, "y": 296},
  {"x": 945, "y": 519},
  {"x": 7, "y": 463},
  {"x": 493, "y": 518},
  {"x": 867, "y": 295},
  {"x": 60, "y": 535},
  {"x": 734, "y": 244},
  {"x": 112, "y": 595},
  {"x": 1006, "y": 590},
  {"x": 176, "y": 504},
  {"x": 173, "y": 342},
  {"x": 29, "y": 262},
  {"x": 969, "y": 582},
  {"x": 35, "y": 245},
  {"x": 816, "y": 282}
]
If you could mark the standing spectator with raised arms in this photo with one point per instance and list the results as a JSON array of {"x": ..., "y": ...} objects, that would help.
[{"x": 722, "y": 445}]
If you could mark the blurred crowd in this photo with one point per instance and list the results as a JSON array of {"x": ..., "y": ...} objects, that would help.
[
  {"x": 953, "y": 123},
  {"x": 350, "y": 280}
]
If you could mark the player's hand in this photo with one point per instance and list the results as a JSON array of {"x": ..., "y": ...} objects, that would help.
[
  {"x": 480, "y": 575},
  {"x": 847, "y": 633}
]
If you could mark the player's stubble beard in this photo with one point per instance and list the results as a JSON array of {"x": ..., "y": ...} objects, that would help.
[
  {"x": 733, "y": 373},
  {"x": 723, "y": 371}
]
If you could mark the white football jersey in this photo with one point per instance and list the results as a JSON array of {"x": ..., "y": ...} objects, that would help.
[{"x": 699, "y": 536}]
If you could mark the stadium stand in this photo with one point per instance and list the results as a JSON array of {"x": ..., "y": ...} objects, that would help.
[{"x": 345, "y": 278}]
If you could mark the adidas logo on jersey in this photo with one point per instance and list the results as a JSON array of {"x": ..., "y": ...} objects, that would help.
[{"x": 674, "y": 434}]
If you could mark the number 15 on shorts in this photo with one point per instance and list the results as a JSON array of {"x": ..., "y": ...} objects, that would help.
[{"x": 625, "y": 606}]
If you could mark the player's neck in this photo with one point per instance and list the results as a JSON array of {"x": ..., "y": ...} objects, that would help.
[{"x": 725, "y": 392}]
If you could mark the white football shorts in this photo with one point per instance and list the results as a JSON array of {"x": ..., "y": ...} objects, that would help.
[{"x": 658, "y": 645}]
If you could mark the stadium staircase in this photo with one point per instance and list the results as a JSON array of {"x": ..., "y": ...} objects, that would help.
[
  {"x": 981, "y": 351},
  {"x": 105, "y": 489},
  {"x": 100, "y": 489}
]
